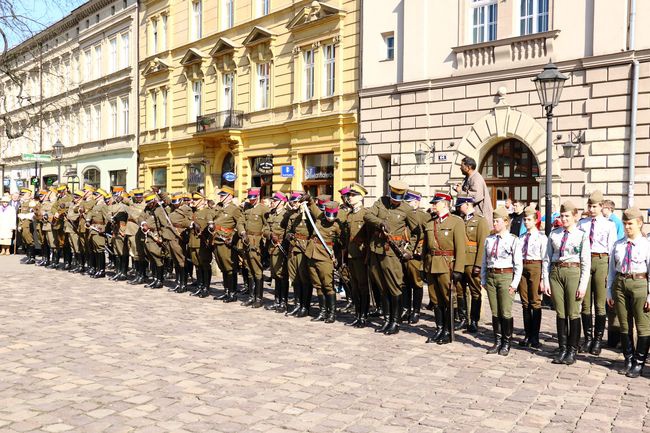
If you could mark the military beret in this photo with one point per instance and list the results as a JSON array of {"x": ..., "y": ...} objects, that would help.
[
  {"x": 530, "y": 211},
  {"x": 568, "y": 206},
  {"x": 632, "y": 214},
  {"x": 501, "y": 212},
  {"x": 596, "y": 197}
]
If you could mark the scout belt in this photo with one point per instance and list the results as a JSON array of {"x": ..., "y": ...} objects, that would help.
[
  {"x": 566, "y": 264},
  {"x": 631, "y": 276},
  {"x": 599, "y": 255},
  {"x": 532, "y": 262},
  {"x": 448, "y": 253},
  {"x": 500, "y": 271}
]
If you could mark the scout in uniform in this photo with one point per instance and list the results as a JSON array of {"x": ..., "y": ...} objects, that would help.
[
  {"x": 565, "y": 271},
  {"x": 135, "y": 236},
  {"x": 227, "y": 223},
  {"x": 299, "y": 232},
  {"x": 275, "y": 231},
  {"x": 97, "y": 219},
  {"x": 500, "y": 274},
  {"x": 628, "y": 291},
  {"x": 389, "y": 221},
  {"x": 200, "y": 244},
  {"x": 476, "y": 230},
  {"x": 26, "y": 224},
  {"x": 445, "y": 246},
  {"x": 533, "y": 250},
  {"x": 253, "y": 239},
  {"x": 154, "y": 244},
  {"x": 602, "y": 236},
  {"x": 414, "y": 287}
]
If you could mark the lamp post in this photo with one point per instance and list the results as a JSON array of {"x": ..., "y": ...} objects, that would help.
[
  {"x": 549, "y": 84},
  {"x": 364, "y": 147},
  {"x": 58, "y": 155}
]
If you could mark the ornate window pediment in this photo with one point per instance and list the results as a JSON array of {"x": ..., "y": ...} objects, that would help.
[
  {"x": 315, "y": 12},
  {"x": 223, "y": 46},
  {"x": 155, "y": 66},
  {"x": 192, "y": 56},
  {"x": 258, "y": 44},
  {"x": 258, "y": 35}
]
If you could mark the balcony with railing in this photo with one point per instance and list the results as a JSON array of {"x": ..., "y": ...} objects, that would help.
[{"x": 229, "y": 119}]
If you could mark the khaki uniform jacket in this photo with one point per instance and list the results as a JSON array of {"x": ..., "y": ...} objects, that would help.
[
  {"x": 446, "y": 236},
  {"x": 181, "y": 218},
  {"x": 99, "y": 216},
  {"x": 227, "y": 222},
  {"x": 45, "y": 215},
  {"x": 355, "y": 234},
  {"x": 399, "y": 221},
  {"x": 298, "y": 226},
  {"x": 476, "y": 230},
  {"x": 200, "y": 218},
  {"x": 276, "y": 227},
  {"x": 331, "y": 231},
  {"x": 135, "y": 217},
  {"x": 59, "y": 208},
  {"x": 254, "y": 222}
]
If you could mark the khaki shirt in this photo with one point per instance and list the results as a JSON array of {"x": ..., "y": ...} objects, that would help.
[
  {"x": 444, "y": 245},
  {"x": 355, "y": 233},
  {"x": 398, "y": 220},
  {"x": 276, "y": 227},
  {"x": 576, "y": 250},
  {"x": 299, "y": 227},
  {"x": 476, "y": 230},
  {"x": 227, "y": 222}
]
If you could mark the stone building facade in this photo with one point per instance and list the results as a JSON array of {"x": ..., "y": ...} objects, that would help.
[{"x": 453, "y": 78}]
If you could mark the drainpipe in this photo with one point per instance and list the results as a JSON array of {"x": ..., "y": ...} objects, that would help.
[
  {"x": 136, "y": 83},
  {"x": 360, "y": 163},
  {"x": 633, "y": 105}
]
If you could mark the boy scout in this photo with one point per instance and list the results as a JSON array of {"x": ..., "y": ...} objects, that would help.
[
  {"x": 476, "y": 230},
  {"x": 500, "y": 275},
  {"x": 413, "y": 288},
  {"x": 254, "y": 220},
  {"x": 566, "y": 273},
  {"x": 275, "y": 231},
  {"x": 628, "y": 291},
  {"x": 445, "y": 246},
  {"x": 533, "y": 246},
  {"x": 602, "y": 236}
]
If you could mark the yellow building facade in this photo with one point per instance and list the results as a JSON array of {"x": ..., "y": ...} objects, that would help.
[{"x": 262, "y": 89}]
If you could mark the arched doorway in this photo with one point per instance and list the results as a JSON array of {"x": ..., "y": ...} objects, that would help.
[{"x": 510, "y": 171}]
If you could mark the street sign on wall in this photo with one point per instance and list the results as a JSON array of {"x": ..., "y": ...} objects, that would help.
[
  {"x": 287, "y": 171},
  {"x": 40, "y": 157}
]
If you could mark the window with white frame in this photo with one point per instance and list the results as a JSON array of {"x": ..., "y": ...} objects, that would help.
[
  {"x": 163, "y": 32},
  {"x": 196, "y": 99},
  {"x": 163, "y": 97},
  {"x": 125, "y": 115},
  {"x": 329, "y": 72},
  {"x": 97, "y": 71},
  {"x": 154, "y": 108},
  {"x": 124, "y": 60},
  {"x": 113, "y": 107},
  {"x": 263, "y": 7},
  {"x": 533, "y": 16},
  {"x": 227, "y": 14},
  {"x": 112, "y": 66},
  {"x": 227, "y": 94},
  {"x": 308, "y": 74},
  {"x": 197, "y": 20},
  {"x": 154, "y": 36},
  {"x": 88, "y": 64},
  {"x": 263, "y": 86},
  {"x": 484, "y": 20},
  {"x": 89, "y": 124},
  {"x": 96, "y": 122},
  {"x": 389, "y": 45}
]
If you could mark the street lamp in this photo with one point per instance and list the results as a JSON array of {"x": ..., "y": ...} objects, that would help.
[
  {"x": 364, "y": 149},
  {"x": 549, "y": 84},
  {"x": 58, "y": 155}
]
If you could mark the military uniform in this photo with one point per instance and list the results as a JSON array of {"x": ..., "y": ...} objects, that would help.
[
  {"x": 26, "y": 225},
  {"x": 119, "y": 212},
  {"x": 298, "y": 234},
  {"x": 136, "y": 238},
  {"x": 413, "y": 293},
  {"x": 98, "y": 218},
  {"x": 254, "y": 218},
  {"x": 200, "y": 244},
  {"x": 275, "y": 231},
  {"x": 153, "y": 242},
  {"x": 45, "y": 217}
]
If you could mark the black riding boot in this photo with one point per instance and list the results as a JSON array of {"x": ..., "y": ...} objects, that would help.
[
  {"x": 177, "y": 279},
  {"x": 536, "y": 323},
  {"x": 118, "y": 266},
  {"x": 627, "y": 347},
  {"x": 407, "y": 302},
  {"x": 232, "y": 293},
  {"x": 259, "y": 293},
  {"x": 322, "y": 311},
  {"x": 437, "y": 315},
  {"x": 562, "y": 339},
  {"x": 506, "y": 328},
  {"x": 496, "y": 330},
  {"x": 160, "y": 277},
  {"x": 395, "y": 309},
  {"x": 587, "y": 327},
  {"x": 30, "y": 255},
  {"x": 297, "y": 299},
  {"x": 330, "y": 306},
  {"x": 306, "y": 301},
  {"x": 154, "y": 275},
  {"x": 276, "y": 296},
  {"x": 640, "y": 356},
  {"x": 386, "y": 303},
  {"x": 417, "y": 304},
  {"x": 574, "y": 338},
  {"x": 445, "y": 335},
  {"x": 462, "y": 314},
  {"x": 528, "y": 318},
  {"x": 474, "y": 316},
  {"x": 599, "y": 331},
  {"x": 54, "y": 263}
]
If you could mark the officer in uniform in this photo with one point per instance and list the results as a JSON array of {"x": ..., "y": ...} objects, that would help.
[
  {"x": 533, "y": 249},
  {"x": 500, "y": 274},
  {"x": 57, "y": 230},
  {"x": 253, "y": 241},
  {"x": 389, "y": 221},
  {"x": 200, "y": 245},
  {"x": 476, "y": 230},
  {"x": 26, "y": 224},
  {"x": 89, "y": 201},
  {"x": 72, "y": 218},
  {"x": 170, "y": 227},
  {"x": 602, "y": 236},
  {"x": 227, "y": 224},
  {"x": 136, "y": 238},
  {"x": 153, "y": 242},
  {"x": 275, "y": 231},
  {"x": 445, "y": 244},
  {"x": 565, "y": 271},
  {"x": 298, "y": 234},
  {"x": 119, "y": 211},
  {"x": 98, "y": 218},
  {"x": 45, "y": 215},
  {"x": 413, "y": 293},
  {"x": 628, "y": 291}
]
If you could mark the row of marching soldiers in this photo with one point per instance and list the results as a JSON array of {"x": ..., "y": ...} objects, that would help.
[{"x": 385, "y": 252}]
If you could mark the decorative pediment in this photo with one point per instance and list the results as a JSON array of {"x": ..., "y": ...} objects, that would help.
[
  {"x": 155, "y": 66},
  {"x": 192, "y": 56},
  {"x": 223, "y": 46},
  {"x": 258, "y": 35},
  {"x": 315, "y": 12}
]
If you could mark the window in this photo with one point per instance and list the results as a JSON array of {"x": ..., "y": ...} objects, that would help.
[
  {"x": 163, "y": 32},
  {"x": 92, "y": 176},
  {"x": 113, "y": 107},
  {"x": 227, "y": 95},
  {"x": 319, "y": 174},
  {"x": 88, "y": 62},
  {"x": 89, "y": 124},
  {"x": 96, "y": 18},
  {"x": 263, "y": 85},
  {"x": 154, "y": 109},
  {"x": 484, "y": 20},
  {"x": 117, "y": 178},
  {"x": 262, "y": 8},
  {"x": 308, "y": 69},
  {"x": 112, "y": 13},
  {"x": 124, "y": 4},
  {"x": 195, "y": 177},
  {"x": 125, "y": 115},
  {"x": 330, "y": 69},
  {"x": 124, "y": 61},
  {"x": 96, "y": 122},
  {"x": 389, "y": 45},
  {"x": 196, "y": 99},
  {"x": 112, "y": 67},
  {"x": 154, "y": 36},
  {"x": 261, "y": 178},
  {"x": 196, "y": 19},
  {"x": 163, "y": 97},
  {"x": 159, "y": 178},
  {"x": 227, "y": 14},
  {"x": 98, "y": 61},
  {"x": 533, "y": 16}
]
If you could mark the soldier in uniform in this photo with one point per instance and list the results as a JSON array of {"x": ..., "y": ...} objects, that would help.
[
  {"x": 26, "y": 224},
  {"x": 97, "y": 219},
  {"x": 298, "y": 234},
  {"x": 533, "y": 248},
  {"x": 170, "y": 227},
  {"x": 72, "y": 221},
  {"x": 153, "y": 242},
  {"x": 57, "y": 219},
  {"x": 322, "y": 259},
  {"x": 389, "y": 221},
  {"x": 565, "y": 271},
  {"x": 602, "y": 236},
  {"x": 628, "y": 291},
  {"x": 45, "y": 216},
  {"x": 413, "y": 289},
  {"x": 253, "y": 241},
  {"x": 227, "y": 224},
  {"x": 200, "y": 243},
  {"x": 274, "y": 232},
  {"x": 500, "y": 274},
  {"x": 476, "y": 230},
  {"x": 119, "y": 212},
  {"x": 136, "y": 237},
  {"x": 86, "y": 205},
  {"x": 445, "y": 246}
]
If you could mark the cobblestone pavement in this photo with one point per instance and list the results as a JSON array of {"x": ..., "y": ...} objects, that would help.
[{"x": 95, "y": 356}]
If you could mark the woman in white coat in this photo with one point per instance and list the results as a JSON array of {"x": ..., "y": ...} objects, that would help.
[{"x": 7, "y": 224}]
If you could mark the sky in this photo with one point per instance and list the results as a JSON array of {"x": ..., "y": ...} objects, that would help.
[{"x": 39, "y": 14}]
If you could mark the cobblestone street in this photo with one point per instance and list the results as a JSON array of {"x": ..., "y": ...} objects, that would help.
[{"x": 86, "y": 355}]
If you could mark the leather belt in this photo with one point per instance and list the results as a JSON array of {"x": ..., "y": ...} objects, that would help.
[
  {"x": 500, "y": 271},
  {"x": 640, "y": 276},
  {"x": 301, "y": 237},
  {"x": 472, "y": 244},
  {"x": 224, "y": 229},
  {"x": 443, "y": 253},
  {"x": 566, "y": 264},
  {"x": 532, "y": 262},
  {"x": 255, "y": 233},
  {"x": 315, "y": 239},
  {"x": 397, "y": 237},
  {"x": 599, "y": 255}
]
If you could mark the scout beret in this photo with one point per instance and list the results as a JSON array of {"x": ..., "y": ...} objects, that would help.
[
  {"x": 596, "y": 197},
  {"x": 632, "y": 214},
  {"x": 227, "y": 190},
  {"x": 357, "y": 188},
  {"x": 412, "y": 195},
  {"x": 439, "y": 196},
  {"x": 530, "y": 211},
  {"x": 397, "y": 189},
  {"x": 568, "y": 206},
  {"x": 502, "y": 213}
]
